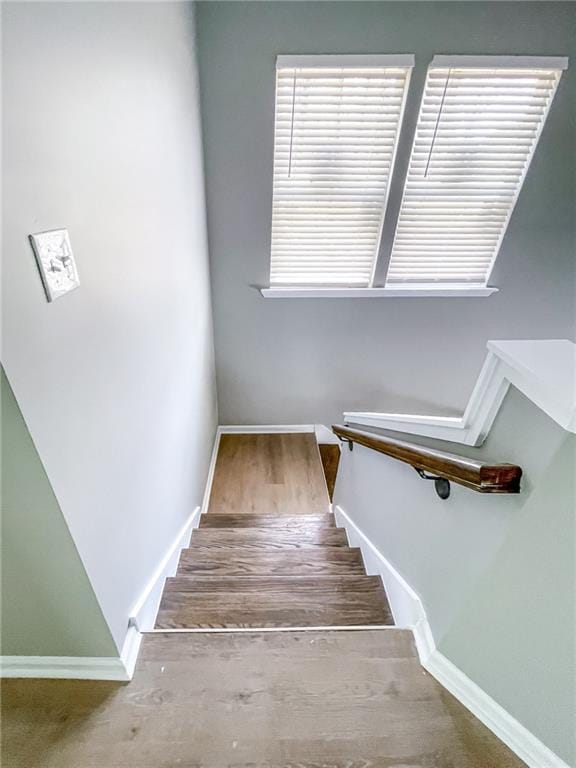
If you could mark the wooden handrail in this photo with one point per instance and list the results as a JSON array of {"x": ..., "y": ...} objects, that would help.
[{"x": 481, "y": 476}]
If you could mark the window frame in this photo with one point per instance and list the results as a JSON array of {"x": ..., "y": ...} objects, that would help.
[
  {"x": 462, "y": 62},
  {"x": 406, "y": 290},
  {"x": 348, "y": 61}
]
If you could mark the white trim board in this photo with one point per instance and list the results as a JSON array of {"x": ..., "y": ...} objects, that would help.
[
  {"x": 406, "y": 605},
  {"x": 65, "y": 667},
  {"x": 544, "y": 371},
  {"x": 210, "y": 475},
  {"x": 489, "y": 61},
  {"x": 142, "y": 617},
  {"x": 520, "y": 740},
  {"x": 143, "y": 613},
  {"x": 116, "y": 668},
  {"x": 409, "y": 612},
  {"x": 429, "y": 292},
  {"x": 263, "y": 429},
  {"x": 307, "y": 61},
  {"x": 323, "y": 435}
]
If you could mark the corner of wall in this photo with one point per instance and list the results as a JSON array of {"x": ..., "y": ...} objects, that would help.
[{"x": 48, "y": 605}]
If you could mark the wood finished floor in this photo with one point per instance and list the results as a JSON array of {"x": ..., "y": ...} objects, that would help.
[
  {"x": 267, "y": 554},
  {"x": 269, "y": 474},
  {"x": 341, "y": 699},
  {"x": 263, "y": 556},
  {"x": 286, "y": 572}
]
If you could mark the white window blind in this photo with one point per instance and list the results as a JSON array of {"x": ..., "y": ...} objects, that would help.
[
  {"x": 479, "y": 123},
  {"x": 336, "y": 130}
]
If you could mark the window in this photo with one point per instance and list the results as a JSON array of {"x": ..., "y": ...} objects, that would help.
[
  {"x": 336, "y": 132},
  {"x": 479, "y": 123}
]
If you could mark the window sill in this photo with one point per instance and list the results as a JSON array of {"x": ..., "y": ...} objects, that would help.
[{"x": 443, "y": 292}]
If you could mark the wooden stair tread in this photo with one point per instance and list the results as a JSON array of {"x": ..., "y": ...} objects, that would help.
[
  {"x": 185, "y": 610},
  {"x": 266, "y": 585},
  {"x": 271, "y": 562},
  {"x": 255, "y": 538},
  {"x": 246, "y": 520}
]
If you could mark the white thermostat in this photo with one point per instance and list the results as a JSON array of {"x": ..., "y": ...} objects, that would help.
[{"x": 55, "y": 261}]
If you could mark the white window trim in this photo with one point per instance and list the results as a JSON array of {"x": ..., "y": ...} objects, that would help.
[
  {"x": 408, "y": 60},
  {"x": 347, "y": 60},
  {"x": 402, "y": 61},
  {"x": 454, "y": 292},
  {"x": 511, "y": 62}
]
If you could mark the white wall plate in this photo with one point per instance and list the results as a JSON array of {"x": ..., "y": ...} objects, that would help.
[{"x": 55, "y": 261}]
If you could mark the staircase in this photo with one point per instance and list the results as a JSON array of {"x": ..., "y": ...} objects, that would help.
[{"x": 262, "y": 571}]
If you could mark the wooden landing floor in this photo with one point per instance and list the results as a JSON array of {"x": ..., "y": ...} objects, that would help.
[
  {"x": 281, "y": 700},
  {"x": 269, "y": 474}
]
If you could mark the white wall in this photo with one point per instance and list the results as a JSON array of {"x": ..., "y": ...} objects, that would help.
[
  {"x": 115, "y": 380},
  {"x": 495, "y": 574},
  {"x": 305, "y": 361}
]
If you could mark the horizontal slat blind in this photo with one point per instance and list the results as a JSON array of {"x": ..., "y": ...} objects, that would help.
[
  {"x": 476, "y": 134},
  {"x": 335, "y": 138}
]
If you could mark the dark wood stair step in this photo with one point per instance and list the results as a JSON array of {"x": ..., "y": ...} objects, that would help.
[
  {"x": 317, "y": 561},
  {"x": 190, "y": 610},
  {"x": 258, "y": 538},
  {"x": 292, "y": 522},
  {"x": 268, "y": 585}
]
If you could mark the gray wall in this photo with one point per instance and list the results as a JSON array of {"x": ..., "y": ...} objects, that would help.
[
  {"x": 305, "y": 361},
  {"x": 48, "y": 605},
  {"x": 116, "y": 379},
  {"x": 516, "y": 634},
  {"x": 496, "y": 574}
]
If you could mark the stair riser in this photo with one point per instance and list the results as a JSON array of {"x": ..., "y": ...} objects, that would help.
[
  {"x": 318, "y": 561},
  {"x": 313, "y": 614},
  {"x": 282, "y": 522},
  {"x": 259, "y": 538},
  {"x": 237, "y": 569},
  {"x": 275, "y": 585}
]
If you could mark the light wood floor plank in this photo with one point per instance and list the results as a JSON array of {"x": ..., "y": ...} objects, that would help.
[
  {"x": 311, "y": 700},
  {"x": 269, "y": 474}
]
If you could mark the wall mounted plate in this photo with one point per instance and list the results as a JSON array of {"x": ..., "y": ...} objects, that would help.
[{"x": 55, "y": 261}]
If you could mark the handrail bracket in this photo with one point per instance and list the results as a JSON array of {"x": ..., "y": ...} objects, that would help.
[{"x": 441, "y": 485}]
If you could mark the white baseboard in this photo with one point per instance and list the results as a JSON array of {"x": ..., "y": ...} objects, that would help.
[
  {"x": 263, "y": 429},
  {"x": 143, "y": 613},
  {"x": 130, "y": 650},
  {"x": 405, "y": 603},
  {"x": 211, "y": 470},
  {"x": 65, "y": 667},
  {"x": 142, "y": 617},
  {"x": 520, "y": 740},
  {"x": 409, "y": 612}
]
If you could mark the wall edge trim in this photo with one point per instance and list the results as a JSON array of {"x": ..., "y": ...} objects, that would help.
[
  {"x": 510, "y": 731},
  {"x": 149, "y": 599},
  {"x": 64, "y": 667},
  {"x": 264, "y": 429},
  {"x": 406, "y": 604},
  {"x": 504, "y": 366}
]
